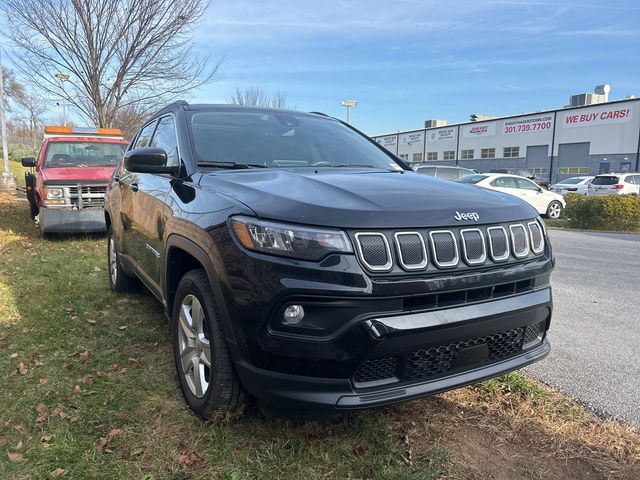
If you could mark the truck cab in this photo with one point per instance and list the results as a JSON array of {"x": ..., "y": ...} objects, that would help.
[{"x": 66, "y": 183}]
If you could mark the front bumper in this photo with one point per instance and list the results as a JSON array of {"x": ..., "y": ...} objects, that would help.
[
  {"x": 430, "y": 352},
  {"x": 53, "y": 220}
]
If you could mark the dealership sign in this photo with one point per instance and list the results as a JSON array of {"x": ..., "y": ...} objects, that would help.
[
  {"x": 531, "y": 124},
  {"x": 388, "y": 141},
  {"x": 410, "y": 138},
  {"x": 483, "y": 130},
  {"x": 600, "y": 117},
  {"x": 442, "y": 134}
]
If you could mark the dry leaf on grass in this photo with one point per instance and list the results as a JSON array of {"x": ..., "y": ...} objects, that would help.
[
  {"x": 22, "y": 369},
  {"x": 91, "y": 322},
  {"x": 189, "y": 458},
  {"x": 42, "y": 411},
  {"x": 104, "y": 441},
  {"x": 58, "y": 472},
  {"x": 44, "y": 381},
  {"x": 14, "y": 355},
  {"x": 77, "y": 390},
  {"x": 15, "y": 457},
  {"x": 123, "y": 327}
]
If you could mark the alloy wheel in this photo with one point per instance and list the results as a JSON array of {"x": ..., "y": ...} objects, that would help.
[
  {"x": 555, "y": 209},
  {"x": 193, "y": 346}
]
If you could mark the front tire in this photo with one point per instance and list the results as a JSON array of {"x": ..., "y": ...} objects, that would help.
[
  {"x": 119, "y": 280},
  {"x": 554, "y": 210},
  {"x": 204, "y": 366}
]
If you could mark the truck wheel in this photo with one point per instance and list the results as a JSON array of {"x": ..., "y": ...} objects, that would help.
[
  {"x": 554, "y": 210},
  {"x": 205, "y": 370},
  {"x": 119, "y": 281}
]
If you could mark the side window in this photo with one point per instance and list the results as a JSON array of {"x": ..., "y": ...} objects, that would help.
[
  {"x": 447, "y": 173},
  {"x": 144, "y": 137},
  {"x": 526, "y": 184},
  {"x": 504, "y": 182},
  {"x": 428, "y": 171},
  {"x": 165, "y": 137}
]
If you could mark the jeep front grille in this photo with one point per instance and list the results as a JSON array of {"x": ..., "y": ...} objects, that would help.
[
  {"x": 436, "y": 361},
  {"x": 419, "y": 250}
]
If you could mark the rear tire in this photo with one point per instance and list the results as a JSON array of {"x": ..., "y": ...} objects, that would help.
[
  {"x": 119, "y": 280},
  {"x": 554, "y": 210},
  {"x": 204, "y": 366}
]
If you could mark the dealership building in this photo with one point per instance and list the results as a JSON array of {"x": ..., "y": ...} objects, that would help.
[{"x": 591, "y": 136}]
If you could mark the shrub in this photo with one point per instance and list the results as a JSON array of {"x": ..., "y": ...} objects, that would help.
[
  {"x": 17, "y": 151},
  {"x": 610, "y": 212}
]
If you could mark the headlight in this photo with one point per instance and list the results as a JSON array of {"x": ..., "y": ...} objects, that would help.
[
  {"x": 55, "y": 193},
  {"x": 289, "y": 240}
]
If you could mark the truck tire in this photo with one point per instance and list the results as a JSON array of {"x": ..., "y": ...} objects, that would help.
[
  {"x": 119, "y": 280},
  {"x": 204, "y": 366},
  {"x": 554, "y": 210}
]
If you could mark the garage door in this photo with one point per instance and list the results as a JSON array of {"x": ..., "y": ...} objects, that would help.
[{"x": 573, "y": 159}]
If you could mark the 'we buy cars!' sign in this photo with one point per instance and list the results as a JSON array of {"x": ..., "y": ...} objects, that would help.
[{"x": 597, "y": 117}]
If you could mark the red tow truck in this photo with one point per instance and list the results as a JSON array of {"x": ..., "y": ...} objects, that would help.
[{"x": 66, "y": 183}]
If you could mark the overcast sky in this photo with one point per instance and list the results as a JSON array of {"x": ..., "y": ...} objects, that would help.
[{"x": 409, "y": 60}]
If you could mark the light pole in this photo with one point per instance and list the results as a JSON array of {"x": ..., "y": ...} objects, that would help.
[
  {"x": 7, "y": 180},
  {"x": 63, "y": 77},
  {"x": 349, "y": 104}
]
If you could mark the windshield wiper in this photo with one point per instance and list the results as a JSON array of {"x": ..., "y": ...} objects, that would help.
[
  {"x": 350, "y": 165},
  {"x": 230, "y": 165}
]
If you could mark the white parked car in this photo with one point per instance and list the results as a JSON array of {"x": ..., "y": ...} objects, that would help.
[
  {"x": 577, "y": 185},
  {"x": 615, "y": 184},
  {"x": 545, "y": 202}
]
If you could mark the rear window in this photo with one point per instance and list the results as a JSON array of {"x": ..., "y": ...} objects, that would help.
[
  {"x": 448, "y": 173},
  {"x": 79, "y": 154},
  {"x": 605, "y": 180},
  {"x": 472, "y": 179},
  {"x": 428, "y": 171},
  {"x": 571, "y": 181}
]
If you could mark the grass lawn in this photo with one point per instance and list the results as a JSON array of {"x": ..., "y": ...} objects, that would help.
[{"x": 89, "y": 391}]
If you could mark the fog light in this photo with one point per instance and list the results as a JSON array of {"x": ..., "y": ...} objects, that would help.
[{"x": 293, "y": 314}]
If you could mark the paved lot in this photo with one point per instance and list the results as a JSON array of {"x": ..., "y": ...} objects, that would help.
[{"x": 595, "y": 332}]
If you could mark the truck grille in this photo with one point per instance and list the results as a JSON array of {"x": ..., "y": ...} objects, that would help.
[
  {"x": 449, "y": 248},
  {"x": 91, "y": 196},
  {"x": 440, "y": 360}
]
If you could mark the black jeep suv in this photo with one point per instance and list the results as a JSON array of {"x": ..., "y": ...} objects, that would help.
[{"x": 302, "y": 264}]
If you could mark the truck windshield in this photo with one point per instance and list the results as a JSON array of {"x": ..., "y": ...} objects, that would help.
[
  {"x": 78, "y": 154},
  {"x": 280, "y": 140}
]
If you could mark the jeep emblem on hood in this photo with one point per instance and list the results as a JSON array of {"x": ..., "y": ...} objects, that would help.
[{"x": 467, "y": 216}]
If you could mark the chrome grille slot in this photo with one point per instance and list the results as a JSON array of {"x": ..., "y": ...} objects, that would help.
[
  {"x": 519, "y": 240},
  {"x": 445, "y": 248},
  {"x": 90, "y": 196},
  {"x": 536, "y": 237},
  {"x": 498, "y": 244},
  {"x": 412, "y": 252},
  {"x": 374, "y": 251},
  {"x": 474, "y": 250}
]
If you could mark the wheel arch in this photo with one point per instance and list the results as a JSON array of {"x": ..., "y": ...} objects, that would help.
[{"x": 182, "y": 256}]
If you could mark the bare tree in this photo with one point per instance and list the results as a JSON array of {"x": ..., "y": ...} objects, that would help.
[
  {"x": 103, "y": 56},
  {"x": 255, "y": 96},
  {"x": 13, "y": 89},
  {"x": 34, "y": 108}
]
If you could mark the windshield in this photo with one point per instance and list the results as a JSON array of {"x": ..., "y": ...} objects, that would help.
[
  {"x": 605, "y": 181},
  {"x": 79, "y": 154},
  {"x": 280, "y": 139},
  {"x": 472, "y": 179},
  {"x": 571, "y": 181}
]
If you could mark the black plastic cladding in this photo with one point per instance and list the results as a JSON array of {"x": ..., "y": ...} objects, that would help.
[{"x": 451, "y": 249}]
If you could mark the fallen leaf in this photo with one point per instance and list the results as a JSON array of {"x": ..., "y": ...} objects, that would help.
[
  {"x": 44, "y": 381},
  {"x": 84, "y": 354},
  {"x": 59, "y": 411},
  {"x": 19, "y": 445},
  {"x": 76, "y": 390},
  {"x": 22, "y": 369},
  {"x": 104, "y": 441},
  {"x": 87, "y": 378},
  {"x": 97, "y": 269},
  {"x": 91, "y": 322},
  {"x": 15, "y": 457},
  {"x": 46, "y": 437},
  {"x": 134, "y": 361},
  {"x": 58, "y": 472},
  {"x": 14, "y": 355},
  {"x": 73, "y": 419},
  {"x": 122, "y": 327},
  {"x": 123, "y": 370},
  {"x": 70, "y": 310}
]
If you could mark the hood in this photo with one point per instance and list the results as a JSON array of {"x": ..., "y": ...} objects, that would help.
[
  {"x": 77, "y": 173},
  {"x": 363, "y": 198}
]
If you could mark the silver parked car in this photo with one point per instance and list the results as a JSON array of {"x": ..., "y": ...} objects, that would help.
[{"x": 577, "y": 185}]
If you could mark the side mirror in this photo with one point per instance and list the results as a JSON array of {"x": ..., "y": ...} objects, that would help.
[
  {"x": 28, "y": 162},
  {"x": 148, "y": 160}
]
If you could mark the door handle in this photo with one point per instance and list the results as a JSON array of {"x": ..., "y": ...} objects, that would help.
[{"x": 133, "y": 186}]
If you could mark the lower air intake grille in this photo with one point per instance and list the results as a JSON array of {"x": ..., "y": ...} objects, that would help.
[
  {"x": 441, "y": 360},
  {"x": 376, "y": 370}
]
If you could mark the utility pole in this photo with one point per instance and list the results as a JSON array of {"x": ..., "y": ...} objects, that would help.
[{"x": 7, "y": 181}]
